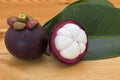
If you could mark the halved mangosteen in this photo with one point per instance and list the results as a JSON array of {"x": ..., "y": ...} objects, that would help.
[
  {"x": 68, "y": 42},
  {"x": 25, "y": 38}
]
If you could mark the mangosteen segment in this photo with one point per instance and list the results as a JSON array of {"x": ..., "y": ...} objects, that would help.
[
  {"x": 68, "y": 42},
  {"x": 62, "y": 42}
]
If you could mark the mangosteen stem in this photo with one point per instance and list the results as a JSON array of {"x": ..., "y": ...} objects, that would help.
[
  {"x": 22, "y": 17},
  {"x": 47, "y": 52}
]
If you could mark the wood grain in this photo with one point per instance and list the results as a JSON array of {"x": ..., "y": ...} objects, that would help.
[
  {"x": 41, "y": 10},
  {"x": 47, "y": 68}
]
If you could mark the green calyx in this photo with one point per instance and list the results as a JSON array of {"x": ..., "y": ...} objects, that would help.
[{"x": 19, "y": 25}]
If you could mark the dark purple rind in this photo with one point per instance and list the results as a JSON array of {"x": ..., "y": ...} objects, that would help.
[
  {"x": 54, "y": 50},
  {"x": 26, "y": 44}
]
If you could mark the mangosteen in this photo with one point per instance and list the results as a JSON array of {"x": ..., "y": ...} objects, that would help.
[
  {"x": 68, "y": 42},
  {"x": 25, "y": 39}
]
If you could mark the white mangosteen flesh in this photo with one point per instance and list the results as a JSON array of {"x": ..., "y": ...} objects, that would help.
[{"x": 70, "y": 41}]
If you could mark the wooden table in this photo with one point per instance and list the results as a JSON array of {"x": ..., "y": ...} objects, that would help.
[{"x": 47, "y": 68}]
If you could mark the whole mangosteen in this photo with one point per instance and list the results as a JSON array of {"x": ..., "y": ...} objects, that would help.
[{"x": 25, "y": 38}]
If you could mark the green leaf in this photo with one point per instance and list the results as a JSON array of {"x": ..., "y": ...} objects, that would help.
[
  {"x": 79, "y": 2},
  {"x": 102, "y": 25},
  {"x": 99, "y": 2},
  {"x": 98, "y": 20},
  {"x": 103, "y": 48}
]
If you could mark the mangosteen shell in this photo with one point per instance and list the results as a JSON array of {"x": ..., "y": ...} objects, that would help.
[
  {"x": 26, "y": 43},
  {"x": 54, "y": 50}
]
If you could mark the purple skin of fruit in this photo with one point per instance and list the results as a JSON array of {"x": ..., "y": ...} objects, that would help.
[
  {"x": 56, "y": 52},
  {"x": 26, "y": 44}
]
